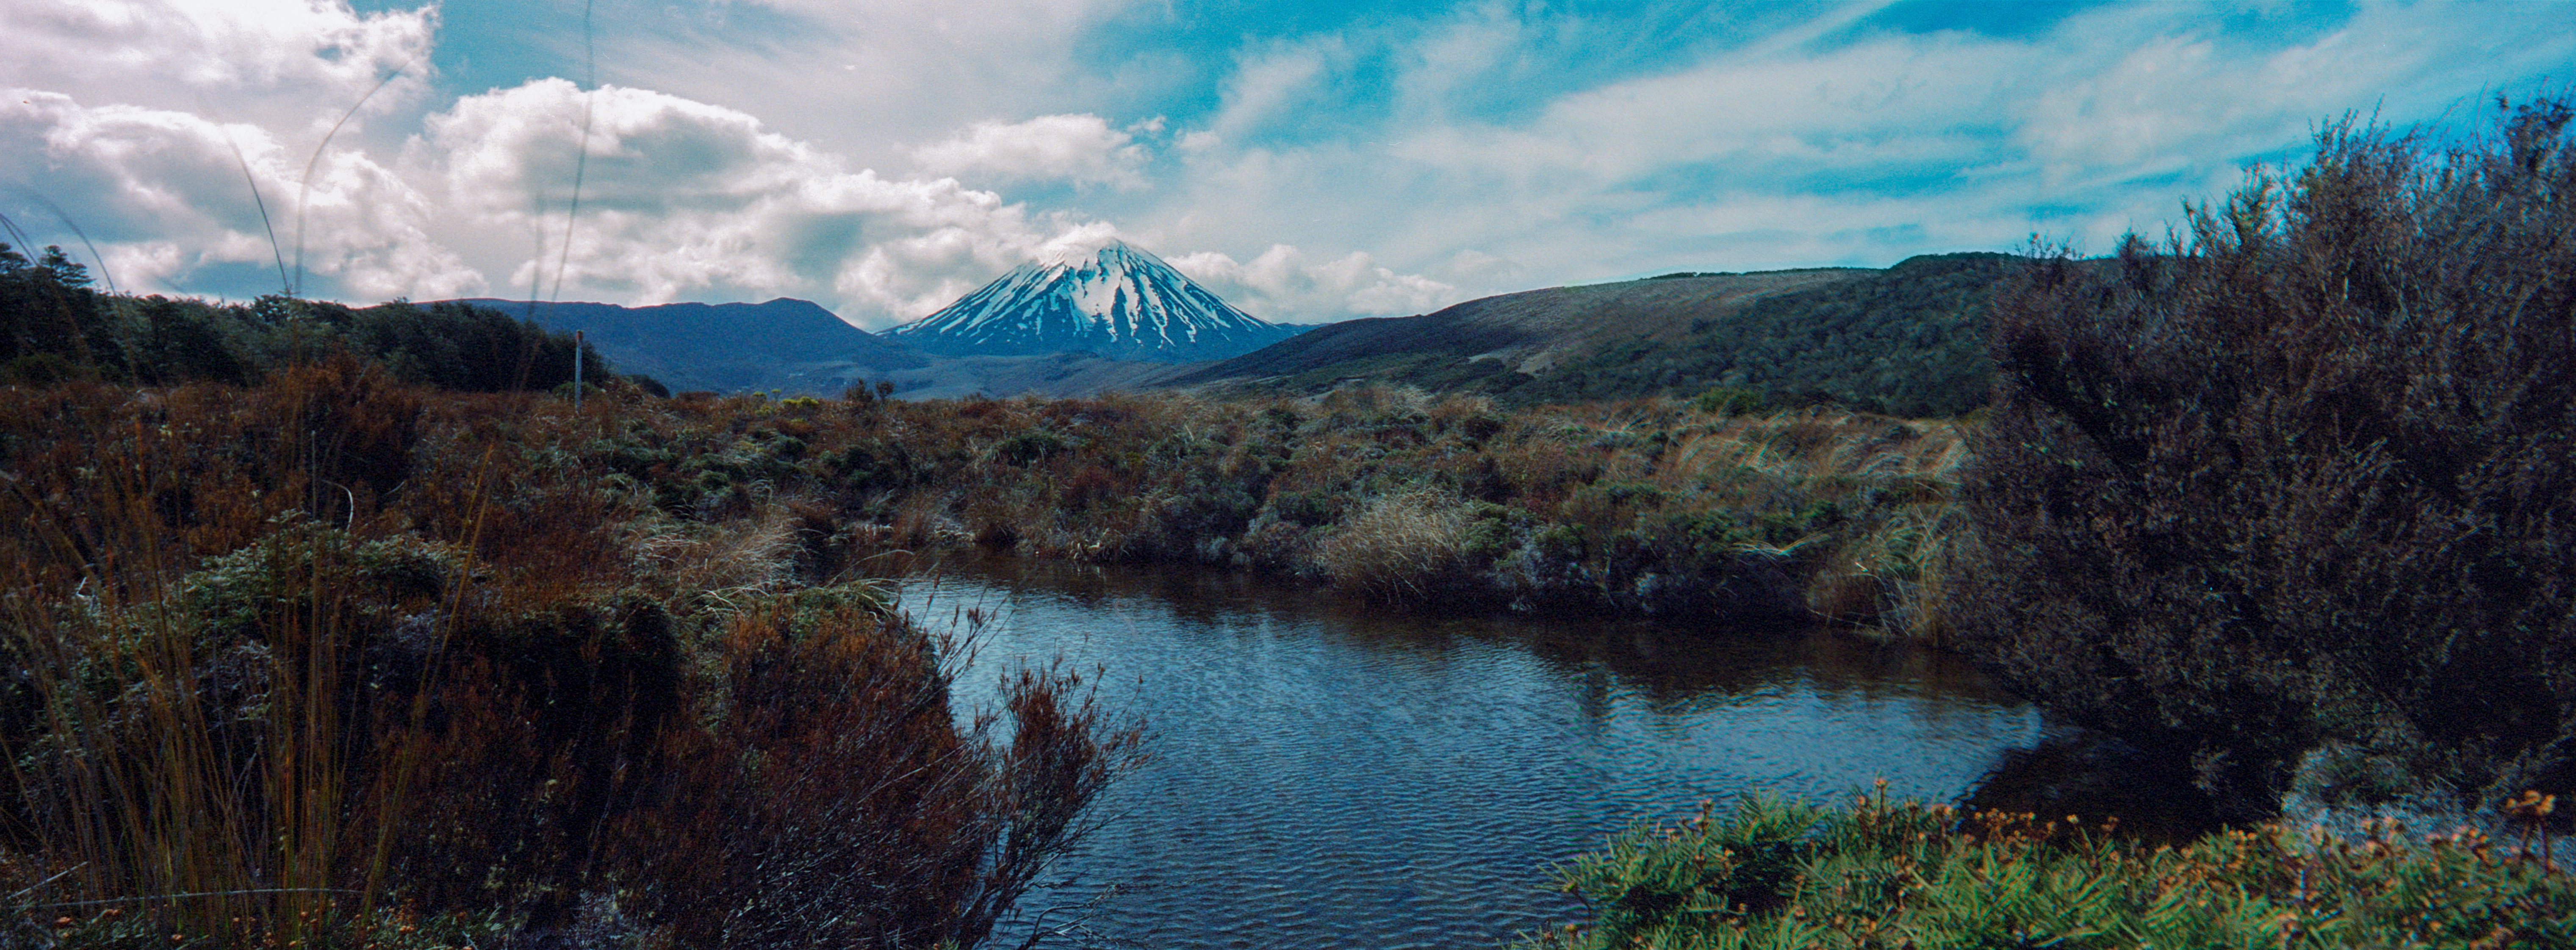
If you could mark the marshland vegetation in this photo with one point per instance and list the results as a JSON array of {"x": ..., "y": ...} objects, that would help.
[
  {"x": 555, "y": 635},
  {"x": 2283, "y": 502}
]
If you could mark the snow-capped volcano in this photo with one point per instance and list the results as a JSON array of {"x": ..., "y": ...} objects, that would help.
[{"x": 1119, "y": 302}]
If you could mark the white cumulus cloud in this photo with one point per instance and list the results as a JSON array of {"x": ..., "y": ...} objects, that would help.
[
  {"x": 161, "y": 127},
  {"x": 167, "y": 193},
  {"x": 1285, "y": 284},
  {"x": 1081, "y": 149},
  {"x": 291, "y": 64},
  {"x": 680, "y": 197}
]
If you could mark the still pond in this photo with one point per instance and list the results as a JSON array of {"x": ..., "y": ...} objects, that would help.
[{"x": 1326, "y": 773}]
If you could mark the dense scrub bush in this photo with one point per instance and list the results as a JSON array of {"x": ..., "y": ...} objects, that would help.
[
  {"x": 2301, "y": 477},
  {"x": 828, "y": 799}
]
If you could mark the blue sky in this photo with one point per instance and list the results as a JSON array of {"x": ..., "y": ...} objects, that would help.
[{"x": 1307, "y": 160}]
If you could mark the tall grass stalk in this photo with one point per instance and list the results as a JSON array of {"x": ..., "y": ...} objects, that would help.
[{"x": 147, "y": 791}]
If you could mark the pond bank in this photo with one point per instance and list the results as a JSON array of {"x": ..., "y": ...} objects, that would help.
[{"x": 1646, "y": 508}]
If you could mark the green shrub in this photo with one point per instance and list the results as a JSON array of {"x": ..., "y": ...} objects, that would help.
[
  {"x": 1559, "y": 542},
  {"x": 40, "y": 369},
  {"x": 872, "y": 466},
  {"x": 1727, "y": 401},
  {"x": 1024, "y": 448},
  {"x": 1882, "y": 875},
  {"x": 1313, "y": 509}
]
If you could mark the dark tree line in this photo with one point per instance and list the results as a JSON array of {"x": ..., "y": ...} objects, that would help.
[
  {"x": 54, "y": 326},
  {"x": 2290, "y": 500},
  {"x": 47, "y": 312}
]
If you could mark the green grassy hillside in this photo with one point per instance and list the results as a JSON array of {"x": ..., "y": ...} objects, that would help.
[{"x": 1908, "y": 340}]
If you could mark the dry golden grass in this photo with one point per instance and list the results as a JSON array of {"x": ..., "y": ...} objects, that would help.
[{"x": 1395, "y": 543}]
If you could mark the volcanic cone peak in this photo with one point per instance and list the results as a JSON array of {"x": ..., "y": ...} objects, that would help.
[{"x": 1118, "y": 301}]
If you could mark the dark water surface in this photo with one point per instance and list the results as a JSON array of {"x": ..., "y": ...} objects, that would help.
[{"x": 1328, "y": 774}]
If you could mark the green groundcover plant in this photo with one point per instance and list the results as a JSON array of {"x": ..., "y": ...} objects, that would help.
[{"x": 1886, "y": 873}]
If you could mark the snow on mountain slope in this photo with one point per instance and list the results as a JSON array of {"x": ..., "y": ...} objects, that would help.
[{"x": 1120, "y": 303}]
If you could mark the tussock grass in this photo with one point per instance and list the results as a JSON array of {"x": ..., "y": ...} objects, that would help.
[
  {"x": 183, "y": 725},
  {"x": 724, "y": 564},
  {"x": 1397, "y": 542},
  {"x": 334, "y": 661}
]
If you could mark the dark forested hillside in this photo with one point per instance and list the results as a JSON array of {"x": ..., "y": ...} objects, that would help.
[{"x": 54, "y": 326}]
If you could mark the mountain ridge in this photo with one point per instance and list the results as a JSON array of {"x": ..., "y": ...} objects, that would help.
[{"x": 799, "y": 346}]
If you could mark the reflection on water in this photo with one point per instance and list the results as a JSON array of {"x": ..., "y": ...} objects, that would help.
[{"x": 1329, "y": 774}]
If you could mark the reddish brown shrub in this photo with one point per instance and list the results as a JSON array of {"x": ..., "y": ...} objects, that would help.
[{"x": 831, "y": 799}]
